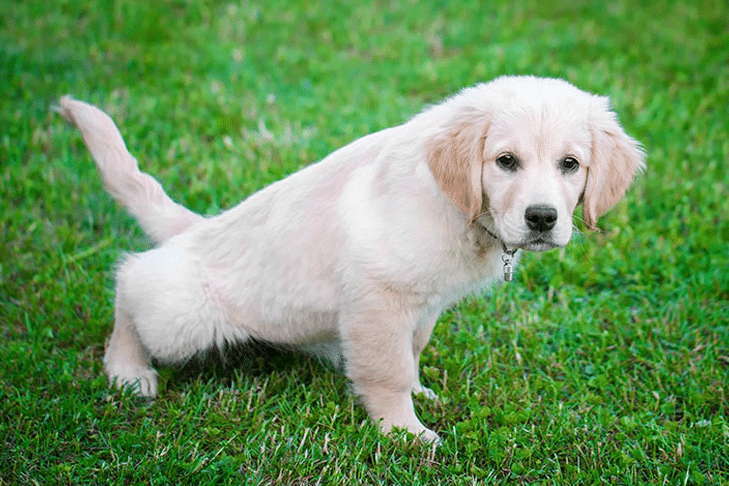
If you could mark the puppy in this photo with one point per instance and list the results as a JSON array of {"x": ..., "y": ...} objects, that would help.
[{"x": 354, "y": 258}]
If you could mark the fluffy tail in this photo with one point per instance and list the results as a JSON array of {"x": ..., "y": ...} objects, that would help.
[{"x": 160, "y": 217}]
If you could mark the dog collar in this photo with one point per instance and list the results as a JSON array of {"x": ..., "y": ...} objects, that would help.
[{"x": 507, "y": 256}]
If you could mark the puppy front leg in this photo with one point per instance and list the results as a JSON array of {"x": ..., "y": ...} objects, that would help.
[
  {"x": 377, "y": 342},
  {"x": 421, "y": 336}
]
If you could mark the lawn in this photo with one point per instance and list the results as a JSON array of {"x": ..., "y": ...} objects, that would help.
[{"x": 603, "y": 363}]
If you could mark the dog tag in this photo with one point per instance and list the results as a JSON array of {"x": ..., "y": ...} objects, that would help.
[
  {"x": 508, "y": 258},
  {"x": 508, "y": 271}
]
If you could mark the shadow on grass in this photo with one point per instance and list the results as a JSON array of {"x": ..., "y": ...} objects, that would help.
[{"x": 252, "y": 359}]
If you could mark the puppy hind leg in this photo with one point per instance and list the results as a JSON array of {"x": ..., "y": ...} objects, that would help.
[
  {"x": 166, "y": 310},
  {"x": 126, "y": 361}
]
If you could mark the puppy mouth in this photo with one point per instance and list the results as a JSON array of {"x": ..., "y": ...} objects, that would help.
[
  {"x": 534, "y": 241},
  {"x": 538, "y": 243}
]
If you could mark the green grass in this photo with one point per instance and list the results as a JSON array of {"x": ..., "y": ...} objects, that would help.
[{"x": 604, "y": 363}]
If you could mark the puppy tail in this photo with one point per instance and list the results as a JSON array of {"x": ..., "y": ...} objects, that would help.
[{"x": 160, "y": 217}]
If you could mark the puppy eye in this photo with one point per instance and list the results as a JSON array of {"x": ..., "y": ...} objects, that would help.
[
  {"x": 569, "y": 164},
  {"x": 507, "y": 162}
]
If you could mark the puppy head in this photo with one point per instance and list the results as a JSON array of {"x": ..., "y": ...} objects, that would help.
[{"x": 518, "y": 154}]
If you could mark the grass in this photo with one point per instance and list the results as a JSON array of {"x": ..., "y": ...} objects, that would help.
[{"x": 607, "y": 362}]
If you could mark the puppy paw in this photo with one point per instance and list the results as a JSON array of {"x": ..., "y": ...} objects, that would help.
[
  {"x": 425, "y": 392},
  {"x": 141, "y": 381},
  {"x": 422, "y": 434},
  {"x": 429, "y": 437}
]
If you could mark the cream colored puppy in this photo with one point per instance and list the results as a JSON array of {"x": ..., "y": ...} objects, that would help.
[{"x": 355, "y": 257}]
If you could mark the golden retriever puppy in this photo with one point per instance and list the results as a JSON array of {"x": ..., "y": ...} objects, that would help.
[{"x": 355, "y": 257}]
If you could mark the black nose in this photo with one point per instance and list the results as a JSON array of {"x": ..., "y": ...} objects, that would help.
[{"x": 540, "y": 218}]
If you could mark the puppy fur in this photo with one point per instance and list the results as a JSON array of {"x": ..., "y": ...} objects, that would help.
[{"x": 354, "y": 258}]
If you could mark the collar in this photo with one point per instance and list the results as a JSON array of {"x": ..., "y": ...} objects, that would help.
[{"x": 507, "y": 256}]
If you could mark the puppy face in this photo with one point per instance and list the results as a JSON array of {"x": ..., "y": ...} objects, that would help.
[
  {"x": 526, "y": 152},
  {"x": 537, "y": 153}
]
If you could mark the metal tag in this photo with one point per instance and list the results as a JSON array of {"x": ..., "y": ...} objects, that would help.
[
  {"x": 508, "y": 271},
  {"x": 508, "y": 257}
]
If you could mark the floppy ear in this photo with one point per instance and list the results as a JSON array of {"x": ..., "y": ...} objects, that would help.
[
  {"x": 455, "y": 158},
  {"x": 616, "y": 158}
]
